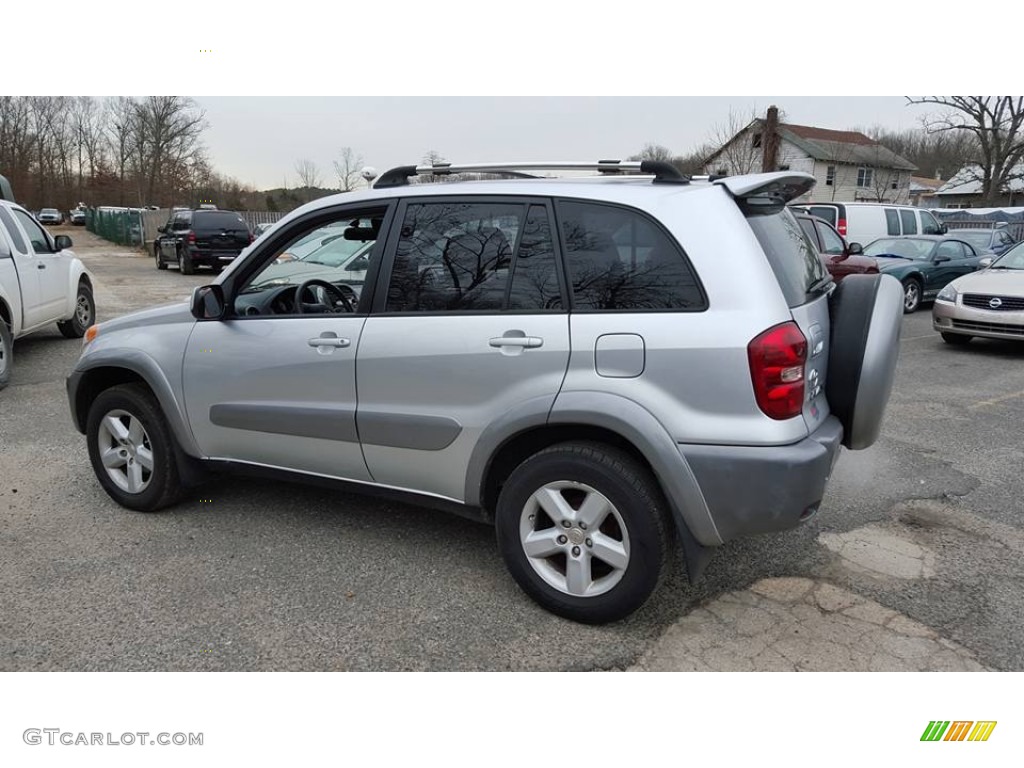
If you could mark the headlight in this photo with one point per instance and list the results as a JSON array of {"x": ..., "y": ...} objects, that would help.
[{"x": 947, "y": 294}]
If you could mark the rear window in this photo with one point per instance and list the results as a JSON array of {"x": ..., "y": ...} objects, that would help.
[
  {"x": 218, "y": 220},
  {"x": 826, "y": 212},
  {"x": 792, "y": 256}
]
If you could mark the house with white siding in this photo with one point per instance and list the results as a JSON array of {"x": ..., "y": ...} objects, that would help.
[
  {"x": 849, "y": 166},
  {"x": 963, "y": 189}
]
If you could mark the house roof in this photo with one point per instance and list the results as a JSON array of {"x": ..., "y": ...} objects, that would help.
[
  {"x": 967, "y": 181},
  {"x": 922, "y": 184}
]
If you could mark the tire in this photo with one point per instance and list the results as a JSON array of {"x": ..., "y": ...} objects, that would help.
[
  {"x": 634, "y": 532},
  {"x": 956, "y": 339},
  {"x": 160, "y": 263},
  {"x": 185, "y": 265},
  {"x": 6, "y": 354},
  {"x": 911, "y": 295},
  {"x": 128, "y": 404},
  {"x": 866, "y": 318},
  {"x": 85, "y": 314}
]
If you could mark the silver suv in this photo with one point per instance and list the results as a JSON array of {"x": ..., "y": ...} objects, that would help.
[{"x": 601, "y": 366}]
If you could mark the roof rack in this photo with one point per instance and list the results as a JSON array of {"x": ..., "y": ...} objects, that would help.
[{"x": 662, "y": 171}]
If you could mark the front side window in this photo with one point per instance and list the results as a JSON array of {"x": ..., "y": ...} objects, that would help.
[
  {"x": 865, "y": 176},
  {"x": 950, "y": 250},
  {"x": 909, "y": 222},
  {"x": 892, "y": 222},
  {"x": 36, "y": 234},
  {"x": 321, "y": 270},
  {"x": 619, "y": 260}
]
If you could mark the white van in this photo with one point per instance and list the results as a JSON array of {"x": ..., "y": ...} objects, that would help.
[{"x": 864, "y": 222}]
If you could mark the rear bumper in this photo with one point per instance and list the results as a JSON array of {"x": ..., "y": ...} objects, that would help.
[
  {"x": 212, "y": 256},
  {"x": 956, "y": 318},
  {"x": 761, "y": 489}
]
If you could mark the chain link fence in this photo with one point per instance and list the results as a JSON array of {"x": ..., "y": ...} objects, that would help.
[{"x": 118, "y": 225}]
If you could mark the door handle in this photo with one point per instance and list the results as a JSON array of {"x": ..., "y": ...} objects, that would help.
[
  {"x": 40, "y": 266},
  {"x": 328, "y": 341},
  {"x": 523, "y": 342}
]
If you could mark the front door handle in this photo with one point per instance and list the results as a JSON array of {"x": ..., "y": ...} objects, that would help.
[
  {"x": 40, "y": 265},
  {"x": 328, "y": 341},
  {"x": 523, "y": 342}
]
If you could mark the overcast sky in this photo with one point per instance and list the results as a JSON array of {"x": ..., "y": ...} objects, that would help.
[{"x": 258, "y": 140}]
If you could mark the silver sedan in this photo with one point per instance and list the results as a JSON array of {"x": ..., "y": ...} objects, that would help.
[{"x": 989, "y": 303}]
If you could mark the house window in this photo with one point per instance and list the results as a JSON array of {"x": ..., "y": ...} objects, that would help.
[
  {"x": 830, "y": 176},
  {"x": 783, "y": 167},
  {"x": 864, "y": 177},
  {"x": 723, "y": 171},
  {"x": 756, "y": 141}
]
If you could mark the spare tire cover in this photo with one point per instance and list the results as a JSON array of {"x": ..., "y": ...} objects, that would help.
[{"x": 866, "y": 316}]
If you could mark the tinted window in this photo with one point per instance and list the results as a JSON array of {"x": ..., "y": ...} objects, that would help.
[
  {"x": 892, "y": 222},
  {"x": 929, "y": 226},
  {"x": 12, "y": 229},
  {"x": 826, "y": 212},
  {"x": 808, "y": 227},
  {"x": 791, "y": 255},
  {"x": 218, "y": 220},
  {"x": 909, "y": 222},
  {"x": 36, "y": 234},
  {"x": 181, "y": 221},
  {"x": 832, "y": 242},
  {"x": 619, "y": 260},
  {"x": 454, "y": 257},
  {"x": 534, "y": 273}
]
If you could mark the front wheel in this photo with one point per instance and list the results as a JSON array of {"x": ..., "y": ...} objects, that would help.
[
  {"x": 582, "y": 529},
  {"x": 6, "y": 353},
  {"x": 131, "y": 449},
  {"x": 185, "y": 265},
  {"x": 85, "y": 314},
  {"x": 911, "y": 295},
  {"x": 160, "y": 263}
]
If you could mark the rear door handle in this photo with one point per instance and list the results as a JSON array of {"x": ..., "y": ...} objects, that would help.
[
  {"x": 523, "y": 342},
  {"x": 40, "y": 265},
  {"x": 328, "y": 341}
]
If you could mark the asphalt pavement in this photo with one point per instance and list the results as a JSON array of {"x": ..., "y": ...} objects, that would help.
[{"x": 924, "y": 528}]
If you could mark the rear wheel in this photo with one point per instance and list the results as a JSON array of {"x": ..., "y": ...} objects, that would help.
[
  {"x": 131, "y": 449},
  {"x": 185, "y": 265},
  {"x": 583, "y": 530},
  {"x": 911, "y": 295},
  {"x": 6, "y": 353},
  {"x": 85, "y": 314},
  {"x": 956, "y": 339}
]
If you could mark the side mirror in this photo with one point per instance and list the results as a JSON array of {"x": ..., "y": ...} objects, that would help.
[
  {"x": 161, "y": 229},
  {"x": 943, "y": 229},
  {"x": 940, "y": 259},
  {"x": 208, "y": 302},
  {"x": 61, "y": 242},
  {"x": 985, "y": 263},
  {"x": 855, "y": 249}
]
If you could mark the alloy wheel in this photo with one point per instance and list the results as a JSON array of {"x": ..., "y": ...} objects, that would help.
[{"x": 126, "y": 451}]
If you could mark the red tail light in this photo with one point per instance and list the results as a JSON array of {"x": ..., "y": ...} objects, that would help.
[
  {"x": 842, "y": 227},
  {"x": 252, "y": 238},
  {"x": 191, "y": 237},
  {"x": 777, "y": 359}
]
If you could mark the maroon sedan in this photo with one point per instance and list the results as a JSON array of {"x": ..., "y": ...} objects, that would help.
[{"x": 839, "y": 258}]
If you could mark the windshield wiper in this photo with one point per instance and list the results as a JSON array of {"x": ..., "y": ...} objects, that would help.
[{"x": 890, "y": 256}]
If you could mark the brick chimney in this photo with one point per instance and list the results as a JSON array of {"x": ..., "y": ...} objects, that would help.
[{"x": 770, "y": 140}]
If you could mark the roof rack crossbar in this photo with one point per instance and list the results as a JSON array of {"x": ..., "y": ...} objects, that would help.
[{"x": 662, "y": 171}]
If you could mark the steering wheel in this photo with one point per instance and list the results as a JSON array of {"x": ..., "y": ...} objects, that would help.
[{"x": 341, "y": 298}]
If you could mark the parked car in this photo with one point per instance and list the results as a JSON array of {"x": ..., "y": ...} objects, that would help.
[
  {"x": 41, "y": 282},
  {"x": 201, "y": 237},
  {"x": 840, "y": 259},
  {"x": 50, "y": 216},
  {"x": 459, "y": 382},
  {"x": 988, "y": 303},
  {"x": 864, "y": 222},
  {"x": 77, "y": 217},
  {"x": 924, "y": 264},
  {"x": 996, "y": 240}
]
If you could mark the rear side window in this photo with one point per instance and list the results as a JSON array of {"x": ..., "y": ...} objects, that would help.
[
  {"x": 909, "y": 222},
  {"x": 218, "y": 220},
  {"x": 800, "y": 273},
  {"x": 826, "y": 212},
  {"x": 12, "y": 230},
  {"x": 832, "y": 242},
  {"x": 619, "y": 260},
  {"x": 892, "y": 221},
  {"x": 808, "y": 227}
]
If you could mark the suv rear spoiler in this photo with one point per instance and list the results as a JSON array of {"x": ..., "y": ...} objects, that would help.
[{"x": 767, "y": 192}]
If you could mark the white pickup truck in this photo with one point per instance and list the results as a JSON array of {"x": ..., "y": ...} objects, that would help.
[{"x": 41, "y": 282}]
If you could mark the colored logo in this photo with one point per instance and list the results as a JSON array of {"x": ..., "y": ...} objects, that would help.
[{"x": 958, "y": 730}]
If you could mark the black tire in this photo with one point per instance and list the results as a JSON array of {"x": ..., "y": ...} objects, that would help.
[
  {"x": 185, "y": 265},
  {"x": 6, "y": 354},
  {"x": 638, "y": 501},
  {"x": 956, "y": 339},
  {"x": 85, "y": 314},
  {"x": 163, "y": 486},
  {"x": 160, "y": 263},
  {"x": 911, "y": 295}
]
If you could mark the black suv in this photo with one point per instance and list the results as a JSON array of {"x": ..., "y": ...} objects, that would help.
[{"x": 202, "y": 237}]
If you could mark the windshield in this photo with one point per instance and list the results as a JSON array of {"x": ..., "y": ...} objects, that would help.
[
  {"x": 1012, "y": 259},
  {"x": 980, "y": 239},
  {"x": 904, "y": 247}
]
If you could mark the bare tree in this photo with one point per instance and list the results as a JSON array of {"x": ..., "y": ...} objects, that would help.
[
  {"x": 996, "y": 123},
  {"x": 347, "y": 168},
  {"x": 309, "y": 175},
  {"x": 732, "y": 147}
]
